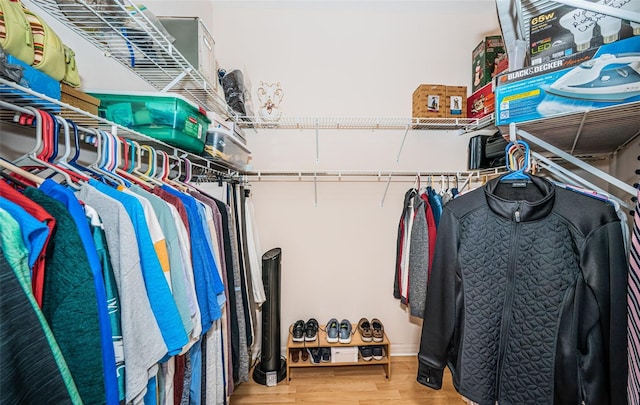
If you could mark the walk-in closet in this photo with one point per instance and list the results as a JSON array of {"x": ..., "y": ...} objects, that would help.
[{"x": 334, "y": 202}]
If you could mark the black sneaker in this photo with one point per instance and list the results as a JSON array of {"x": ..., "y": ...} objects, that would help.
[
  {"x": 311, "y": 330},
  {"x": 326, "y": 354},
  {"x": 377, "y": 352},
  {"x": 298, "y": 331},
  {"x": 365, "y": 353},
  {"x": 315, "y": 354}
]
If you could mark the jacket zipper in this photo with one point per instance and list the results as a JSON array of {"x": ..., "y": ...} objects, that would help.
[{"x": 508, "y": 299}]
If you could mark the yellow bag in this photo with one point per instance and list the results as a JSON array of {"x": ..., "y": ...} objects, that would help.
[
  {"x": 15, "y": 31},
  {"x": 49, "y": 56},
  {"x": 71, "y": 74}
]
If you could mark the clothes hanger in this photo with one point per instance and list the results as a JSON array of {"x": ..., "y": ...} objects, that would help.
[
  {"x": 176, "y": 181},
  {"x": 151, "y": 181},
  {"x": 114, "y": 159},
  {"x": 105, "y": 153},
  {"x": 62, "y": 161},
  {"x": 5, "y": 164},
  {"x": 128, "y": 171},
  {"x": 517, "y": 173},
  {"x": 38, "y": 158}
]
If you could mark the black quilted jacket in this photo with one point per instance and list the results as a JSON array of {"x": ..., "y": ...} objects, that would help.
[{"x": 526, "y": 303}]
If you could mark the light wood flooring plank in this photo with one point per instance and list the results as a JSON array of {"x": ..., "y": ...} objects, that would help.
[{"x": 352, "y": 385}]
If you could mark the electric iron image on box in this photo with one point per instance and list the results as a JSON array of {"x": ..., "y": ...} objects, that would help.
[{"x": 606, "y": 78}]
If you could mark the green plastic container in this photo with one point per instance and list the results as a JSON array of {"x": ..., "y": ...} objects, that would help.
[{"x": 167, "y": 117}]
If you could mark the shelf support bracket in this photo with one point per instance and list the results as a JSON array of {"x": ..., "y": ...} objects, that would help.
[
  {"x": 315, "y": 190},
  {"x": 577, "y": 162},
  {"x": 176, "y": 80},
  {"x": 317, "y": 143},
  {"x": 386, "y": 189},
  {"x": 404, "y": 138},
  {"x": 569, "y": 177},
  {"x": 579, "y": 132}
]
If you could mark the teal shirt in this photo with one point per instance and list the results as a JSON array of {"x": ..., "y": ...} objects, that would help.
[
  {"x": 113, "y": 299},
  {"x": 70, "y": 303}
]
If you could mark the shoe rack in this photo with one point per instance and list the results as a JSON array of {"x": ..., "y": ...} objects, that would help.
[{"x": 321, "y": 341}]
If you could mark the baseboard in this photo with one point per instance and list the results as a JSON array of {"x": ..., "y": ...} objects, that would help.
[{"x": 405, "y": 349}]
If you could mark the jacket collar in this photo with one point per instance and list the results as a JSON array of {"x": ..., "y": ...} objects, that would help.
[{"x": 530, "y": 209}]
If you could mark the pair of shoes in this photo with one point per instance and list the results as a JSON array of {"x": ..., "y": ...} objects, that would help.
[
  {"x": 365, "y": 353},
  {"x": 295, "y": 355},
  {"x": 315, "y": 355},
  {"x": 364, "y": 328},
  {"x": 311, "y": 330},
  {"x": 320, "y": 354},
  {"x": 344, "y": 332},
  {"x": 305, "y": 332},
  {"x": 298, "y": 330},
  {"x": 326, "y": 354},
  {"x": 371, "y": 352},
  {"x": 377, "y": 352},
  {"x": 332, "y": 328},
  {"x": 378, "y": 330}
]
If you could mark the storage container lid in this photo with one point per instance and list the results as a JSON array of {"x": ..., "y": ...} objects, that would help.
[{"x": 149, "y": 94}]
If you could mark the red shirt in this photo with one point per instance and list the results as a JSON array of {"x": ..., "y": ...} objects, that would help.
[{"x": 39, "y": 213}]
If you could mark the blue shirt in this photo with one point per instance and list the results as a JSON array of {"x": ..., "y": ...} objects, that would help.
[
  {"x": 162, "y": 303},
  {"x": 69, "y": 200},
  {"x": 205, "y": 272},
  {"x": 34, "y": 233},
  {"x": 202, "y": 210}
]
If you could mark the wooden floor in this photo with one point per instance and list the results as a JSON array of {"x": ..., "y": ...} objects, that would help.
[{"x": 353, "y": 385}]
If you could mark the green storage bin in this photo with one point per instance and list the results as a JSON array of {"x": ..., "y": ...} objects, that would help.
[{"x": 167, "y": 117}]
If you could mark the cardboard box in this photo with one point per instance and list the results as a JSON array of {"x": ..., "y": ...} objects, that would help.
[
  {"x": 485, "y": 58},
  {"x": 482, "y": 102},
  {"x": 79, "y": 99},
  {"x": 568, "y": 85},
  {"x": 429, "y": 101},
  {"x": 456, "y": 102},
  {"x": 566, "y": 30},
  {"x": 347, "y": 354}
]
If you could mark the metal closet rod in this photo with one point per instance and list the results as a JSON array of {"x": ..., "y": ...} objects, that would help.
[{"x": 210, "y": 172}]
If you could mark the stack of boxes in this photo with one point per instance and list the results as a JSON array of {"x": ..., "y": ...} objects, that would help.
[{"x": 488, "y": 60}]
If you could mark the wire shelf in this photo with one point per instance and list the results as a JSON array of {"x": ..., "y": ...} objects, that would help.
[
  {"x": 125, "y": 34},
  {"x": 19, "y": 96},
  {"x": 466, "y": 124},
  {"x": 590, "y": 132}
]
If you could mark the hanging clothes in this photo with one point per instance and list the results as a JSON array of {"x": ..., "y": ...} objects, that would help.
[
  {"x": 143, "y": 343},
  {"x": 238, "y": 326},
  {"x": 112, "y": 296},
  {"x": 421, "y": 253},
  {"x": 437, "y": 204},
  {"x": 39, "y": 213},
  {"x": 70, "y": 202},
  {"x": 535, "y": 269},
  {"x": 162, "y": 302},
  {"x": 33, "y": 364},
  {"x": 633, "y": 307},
  {"x": 401, "y": 274},
  {"x": 70, "y": 303}
]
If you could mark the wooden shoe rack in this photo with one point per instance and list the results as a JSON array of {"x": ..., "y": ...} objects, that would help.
[{"x": 321, "y": 341}]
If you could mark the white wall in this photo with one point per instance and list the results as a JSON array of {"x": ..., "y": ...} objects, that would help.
[{"x": 353, "y": 58}]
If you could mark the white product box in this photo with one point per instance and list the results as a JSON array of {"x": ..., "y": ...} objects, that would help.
[{"x": 344, "y": 354}]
